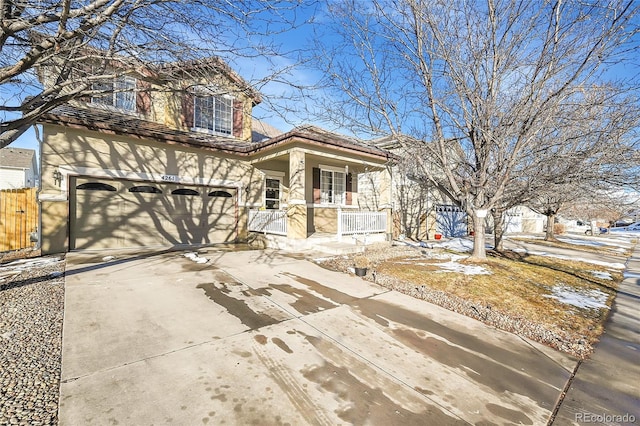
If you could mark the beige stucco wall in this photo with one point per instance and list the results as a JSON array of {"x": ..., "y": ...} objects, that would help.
[
  {"x": 355, "y": 166},
  {"x": 297, "y": 221},
  {"x": 325, "y": 219},
  {"x": 171, "y": 102},
  {"x": 54, "y": 232},
  {"x": 94, "y": 154}
]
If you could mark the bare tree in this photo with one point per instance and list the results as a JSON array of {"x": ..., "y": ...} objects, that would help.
[
  {"x": 484, "y": 85},
  {"x": 121, "y": 36},
  {"x": 608, "y": 206},
  {"x": 594, "y": 150}
]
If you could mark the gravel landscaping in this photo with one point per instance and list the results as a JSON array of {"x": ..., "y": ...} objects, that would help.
[{"x": 31, "y": 313}]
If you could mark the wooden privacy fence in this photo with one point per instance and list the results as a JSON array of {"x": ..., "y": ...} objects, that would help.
[{"x": 18, "y": 218}]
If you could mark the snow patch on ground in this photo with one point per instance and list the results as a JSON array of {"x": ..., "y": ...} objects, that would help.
[
  {"x": 454, "y": 266},
  {"x": 194, "y": 257},
  {"x": 585, "y": 299},
  {"x": 461, "y": 245},
  {"x": 602, "y": 275},
  {"x": 25, "y": 264}
]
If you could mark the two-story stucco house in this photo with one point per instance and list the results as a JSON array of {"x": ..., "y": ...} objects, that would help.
[{"x": 167, "y": 158}]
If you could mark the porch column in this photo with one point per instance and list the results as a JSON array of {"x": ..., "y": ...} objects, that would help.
[{"x": 297, "y": 207}]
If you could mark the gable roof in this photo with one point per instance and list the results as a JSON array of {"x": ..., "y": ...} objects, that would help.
[
  {"x": 317, "y": 136},
  {"x": 392, "y": 142},
  {"x": 106, "y": 122},
  {"x": 17, "y": 158}
]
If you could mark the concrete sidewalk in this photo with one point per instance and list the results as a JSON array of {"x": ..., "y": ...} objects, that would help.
[
  {"x": 606, "y": 388},
  {"x": 265, "y": 338}
]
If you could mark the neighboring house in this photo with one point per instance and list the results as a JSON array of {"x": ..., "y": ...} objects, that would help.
[
  {"x": 150, "y": 165},
  {"x": 522, "y": 219},
  {"x": 18, "y": 168},
  {"x": 420, "y": 210}
]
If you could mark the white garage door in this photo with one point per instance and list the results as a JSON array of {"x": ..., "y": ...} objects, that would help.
[
  {"x": 451, "y": 221},
  {"x": 108, "y": 213},
  {"x": 513, "y": 222}
]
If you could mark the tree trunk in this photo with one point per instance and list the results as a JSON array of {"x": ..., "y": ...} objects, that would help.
[
  {"x": 479, "y": 250},
  {"x": 498, "y": 229},
  {"x": 551, "y": 219}
]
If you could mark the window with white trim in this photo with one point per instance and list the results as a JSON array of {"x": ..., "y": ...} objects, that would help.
[
  {"x": 272, "y": 192},
  {"x": 213, "y": 114},
  {"x": 333, "y": 187},
  {"x": 118, "y": 93}
]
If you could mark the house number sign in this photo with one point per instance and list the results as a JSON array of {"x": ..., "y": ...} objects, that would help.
[{"x": 169, "y": 178}]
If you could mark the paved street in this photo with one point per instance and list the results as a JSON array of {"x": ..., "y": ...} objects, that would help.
[{"x": 265, "y": 338}]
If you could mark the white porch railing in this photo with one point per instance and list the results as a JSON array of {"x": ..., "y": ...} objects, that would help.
[
  {"x": 361, "y": 222},
  {"x": 268, "y": 221}
]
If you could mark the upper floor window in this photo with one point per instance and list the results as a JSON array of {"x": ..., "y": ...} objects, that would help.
[
  {"x": 214, "y": 113},
  {"x": 119, "y": 93}
]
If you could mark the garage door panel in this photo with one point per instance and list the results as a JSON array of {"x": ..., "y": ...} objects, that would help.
[
  {"x": 189, "y": 207},
  {"x": 153, "y": 203},
  {"x": 112, "y": 214},
  {"x": 144, "y": 213}
]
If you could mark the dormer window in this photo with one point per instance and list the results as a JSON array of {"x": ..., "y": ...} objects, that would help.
[
  {"x": 119, "y": 93},
  {"x": 213, "y": 114}
]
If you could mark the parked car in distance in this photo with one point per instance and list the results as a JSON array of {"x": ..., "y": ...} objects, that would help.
[
  {"x": 621, "y": 223},
  {"x": 634, "y": 227},
  {"x": 587, "y": 227}
]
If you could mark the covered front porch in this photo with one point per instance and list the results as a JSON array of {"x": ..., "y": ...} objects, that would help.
[
  {"x": 355, "y": 229},
  {"x": 316, "y": 187}
]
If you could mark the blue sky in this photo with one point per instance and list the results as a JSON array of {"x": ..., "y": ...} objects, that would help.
[{"x": 253, "y": 69}]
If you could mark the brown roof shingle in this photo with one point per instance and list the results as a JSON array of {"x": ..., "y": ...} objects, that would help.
[{"x": 108, "y": 122}]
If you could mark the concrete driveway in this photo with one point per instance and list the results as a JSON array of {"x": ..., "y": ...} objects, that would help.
[{"x": 260, "y": 337}]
